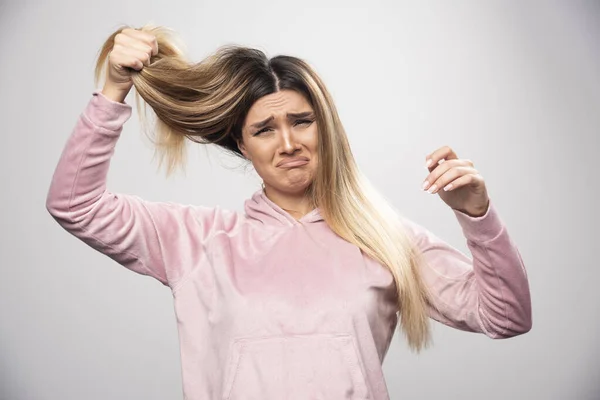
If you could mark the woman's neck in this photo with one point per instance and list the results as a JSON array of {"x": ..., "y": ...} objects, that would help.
[{"x": 297, "y": 205}]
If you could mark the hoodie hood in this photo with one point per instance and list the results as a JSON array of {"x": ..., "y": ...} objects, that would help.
[{"x": 261, "y": 208}]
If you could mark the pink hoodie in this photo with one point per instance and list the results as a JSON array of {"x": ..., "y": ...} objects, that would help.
[{"x": 269, "y": 307}]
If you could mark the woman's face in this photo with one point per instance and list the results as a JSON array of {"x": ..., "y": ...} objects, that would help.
[{"x": 280, "y": 137}]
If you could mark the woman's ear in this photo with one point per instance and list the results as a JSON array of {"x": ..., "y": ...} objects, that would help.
[{"x": 242, "y": 148}]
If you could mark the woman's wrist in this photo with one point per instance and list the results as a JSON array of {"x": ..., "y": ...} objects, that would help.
[{"x": 114, "y": 94}]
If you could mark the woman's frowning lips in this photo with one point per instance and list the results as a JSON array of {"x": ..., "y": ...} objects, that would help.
[{"x": 293, "y": 162}]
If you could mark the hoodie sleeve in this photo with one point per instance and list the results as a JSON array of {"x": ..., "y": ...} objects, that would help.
[
  {"x": 163, "y": 240},
  {"x": 488, "y": 293}
]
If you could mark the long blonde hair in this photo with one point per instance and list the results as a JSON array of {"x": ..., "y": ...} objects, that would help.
[{"x": 207, "y": 102}]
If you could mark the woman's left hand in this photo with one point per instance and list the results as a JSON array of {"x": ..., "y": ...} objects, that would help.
[{"x": 466, "y": 191}]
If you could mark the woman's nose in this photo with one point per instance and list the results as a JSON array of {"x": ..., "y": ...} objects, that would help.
[{"x": 289, "y": 143}]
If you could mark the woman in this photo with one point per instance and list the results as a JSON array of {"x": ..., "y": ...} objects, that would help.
[{"x": 298, "y": 296}]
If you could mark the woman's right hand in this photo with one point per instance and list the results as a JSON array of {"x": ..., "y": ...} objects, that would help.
[{"x": 132, "y": 50}]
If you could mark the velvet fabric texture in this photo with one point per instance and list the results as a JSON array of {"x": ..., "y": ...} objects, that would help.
[{"x": 267, "y": 306}]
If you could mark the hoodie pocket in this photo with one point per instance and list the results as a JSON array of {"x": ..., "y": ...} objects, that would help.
[{"x": 322, "y": 366}]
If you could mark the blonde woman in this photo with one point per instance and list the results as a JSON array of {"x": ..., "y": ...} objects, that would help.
[{"x": 299, "y": 295}]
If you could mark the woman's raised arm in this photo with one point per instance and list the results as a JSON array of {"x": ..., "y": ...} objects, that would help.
[
  {"x": 488, "y": 293},
  {"x": 162, "y": 240}
]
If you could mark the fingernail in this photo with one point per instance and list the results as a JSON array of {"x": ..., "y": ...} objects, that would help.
[
  {"x": 428, "y": 163},
  {"x": 432, "y": 189},
  {"x": 425, "y": 185}
]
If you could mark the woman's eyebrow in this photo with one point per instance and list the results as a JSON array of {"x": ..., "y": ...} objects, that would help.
[{"x": 289, "y": 115}]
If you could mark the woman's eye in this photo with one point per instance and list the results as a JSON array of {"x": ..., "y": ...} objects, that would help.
[
  {"x": 298, "y": 122},
  {"x": 261, "y": 131},
  {"x": 304, "y": 121}
]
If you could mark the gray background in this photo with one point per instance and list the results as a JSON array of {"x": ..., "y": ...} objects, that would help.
[{"x": 513, "y": 86}]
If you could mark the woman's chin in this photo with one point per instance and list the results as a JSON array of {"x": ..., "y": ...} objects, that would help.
[{"x": 293, "y": 185}]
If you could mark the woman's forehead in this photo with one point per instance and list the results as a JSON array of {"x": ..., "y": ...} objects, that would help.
[{"x": 277, "y": 104}]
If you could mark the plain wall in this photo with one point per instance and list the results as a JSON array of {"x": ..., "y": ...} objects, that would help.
[{"x": 513, "y": 86}]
